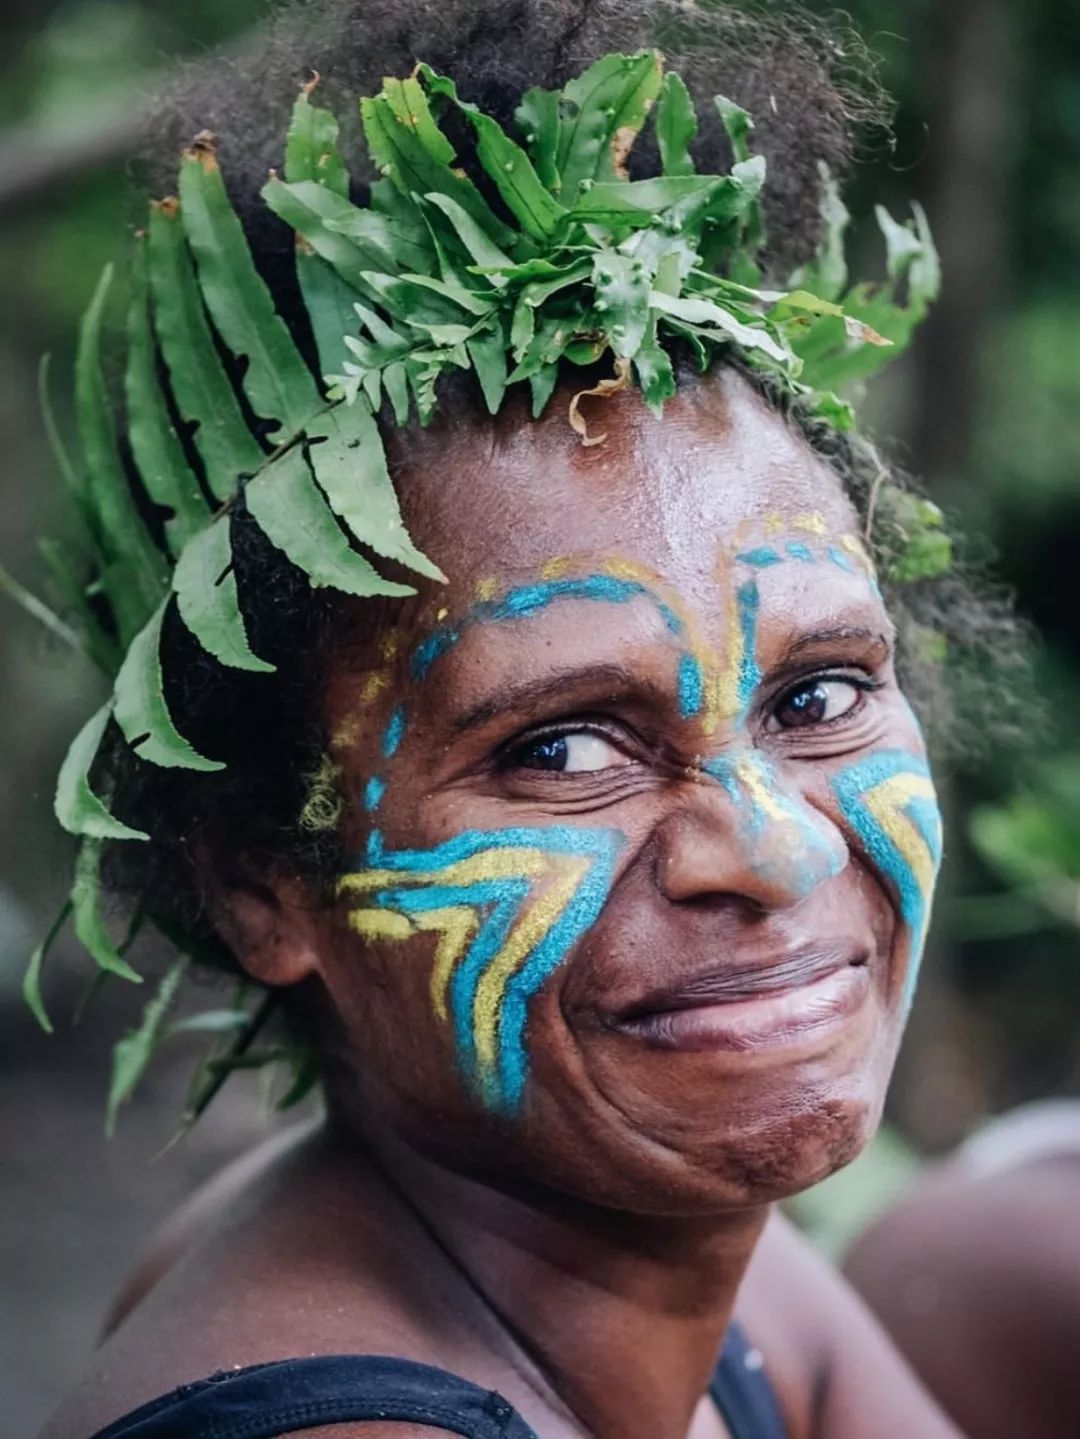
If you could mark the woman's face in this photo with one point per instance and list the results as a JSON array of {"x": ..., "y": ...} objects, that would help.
[{"x": 643, "y": 839}]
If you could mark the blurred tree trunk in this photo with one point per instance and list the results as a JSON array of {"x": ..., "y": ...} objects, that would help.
[
  {"x": 970, "y": 78},
  {"x": 969, "y": 100}
]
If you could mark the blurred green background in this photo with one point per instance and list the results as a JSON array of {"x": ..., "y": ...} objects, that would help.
[{"x": 987, "y": 408}]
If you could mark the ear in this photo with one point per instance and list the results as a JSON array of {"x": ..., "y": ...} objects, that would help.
[{"x": 272, "y": 928}]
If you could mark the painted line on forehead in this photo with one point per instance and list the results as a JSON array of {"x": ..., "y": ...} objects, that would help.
[
  {"x": 394, "y": 732},
  {"x": 761, "y": 558},
  {"x": 373, "y": 793},
  {"x": 798, "y": 551},
  {"x": 889, "y": 801}
]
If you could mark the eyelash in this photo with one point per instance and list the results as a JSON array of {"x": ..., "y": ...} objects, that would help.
[{"x": 508, "y": 756}]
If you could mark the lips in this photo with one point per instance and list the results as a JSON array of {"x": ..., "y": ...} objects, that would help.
[{"x": 775, "y": 1000}]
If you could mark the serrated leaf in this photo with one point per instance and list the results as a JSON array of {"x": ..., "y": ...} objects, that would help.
[
  {"x": 289, "y": 508},
  {"x": 404, "y": 157},
  {"x": 140, "y": 708},
  {"x": 132, "y": 1054},
  {"x": 676, "y": 126},
  {"x": 77, "y": 807},
  {"x": 538, "y": 121},
  {"x": 278, "y": 384},
  {"x": 602, "y": 112},
  {"x": 156, "y": 448},
  {"x": 117, "y": 524},
  {"x": 622, "y": 286},
  {"x": 347, "y": 455},
  {"x": 311, "y": 148},
  {"x": 31, "y": 985},
  {"x": 205, "y": 589},
  {"x": 202, "y": 390},
  {"x": 89, "y": 922}
]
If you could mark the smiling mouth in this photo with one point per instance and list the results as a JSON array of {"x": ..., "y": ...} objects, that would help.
[{"x": 799, "y": 998}]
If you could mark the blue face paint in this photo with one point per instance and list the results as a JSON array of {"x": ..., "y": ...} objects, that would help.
[
  {"x": 373, "y": 794},
  {"x": 888, "y": 800},
  {"x": 749, "y": 602},
  {"x": 760, "y": 558},
  {"x": 798, "y": 551},
  {"x": 839, "y": 559},
  {"x": 510, "y": 906},
  {"x": 785, "y": 842},
  {"x": 395, "y": 733}
]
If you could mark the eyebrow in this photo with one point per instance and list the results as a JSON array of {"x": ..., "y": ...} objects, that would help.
[
  {"x": 532, "y": 694},
  {"x": 821, "y": 639}
]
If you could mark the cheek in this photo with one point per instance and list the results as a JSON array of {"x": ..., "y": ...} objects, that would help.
[{"x": 481, "y": 923}]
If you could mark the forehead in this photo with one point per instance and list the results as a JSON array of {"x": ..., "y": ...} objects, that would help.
[{"x": 719, "y": 467}]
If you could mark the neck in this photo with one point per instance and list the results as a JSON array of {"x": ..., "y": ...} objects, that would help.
[{"x": 622, "y": 1316}]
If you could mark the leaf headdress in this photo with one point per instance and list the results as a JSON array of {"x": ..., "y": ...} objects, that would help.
[{"x": 540, "y": 253}]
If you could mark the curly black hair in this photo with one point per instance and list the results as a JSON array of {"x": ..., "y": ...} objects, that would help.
[{"x": 809, "y": 87}]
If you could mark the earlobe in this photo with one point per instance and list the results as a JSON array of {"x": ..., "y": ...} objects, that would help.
[{"x": 273, "y": 930}]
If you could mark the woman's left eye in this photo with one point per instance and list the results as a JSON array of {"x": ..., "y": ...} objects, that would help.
[
  {"x": 578, "y": 752},
  {"x": 816, "y": 702}
]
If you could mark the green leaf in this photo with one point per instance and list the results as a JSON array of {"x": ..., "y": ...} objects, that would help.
[
  {"x": 31, "y": 985},
  {"x": 487, "y": 351},
  {"x": 155, "y": 447},
  {"x": 826, "y": 275},
  {"x": 422, "y": 300},
  {"x": 924, "y": 276},
  {"x": 76, "y": 806},
  {"x": 676, "y": 126},
  {"x": 538, "y": 120},
  {"x": 709, "y": 316},
  {"x": 417, "y": 157},
  {"x": 506, "y": 164},
  {"x": 38, "y": 610},
  {"x": 140, "y": 708},
  {"x": 396, "y": 382},
  {"x": 278, "y": 384},
  {"x": 132, "y": 1054},
  {"x": 311, "y": 148},
  {"x": 90, "y": 924},
  {"x": 602, "y": 112},
  {"x": 329, "y": 305},
  {"x": 52, "y": 433},
  {"x": 206, "y": 597},
  {"x": 202, "y": 390},
  {"x": 738, "y": 124},
  {"x": 482, "y": 249},
  {"x": 66, "y": 568},
  {"x": 119, "y": 528},
  {"x": 655, "y": 376},
  {"x": 289, "y": 508},
  {"x": 346, "y": 452},
  {"x": 639, "y": 202},
  {"x": 322, "y": 218},
  {"x": 542, "y": 384},
  {"x": 535, "y": 294},
  {"x": 622, "y": 288},
  {"x": 210, "y": 1021}
]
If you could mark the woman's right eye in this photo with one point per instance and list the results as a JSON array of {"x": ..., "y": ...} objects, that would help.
[{"x": 570, "y": 752}]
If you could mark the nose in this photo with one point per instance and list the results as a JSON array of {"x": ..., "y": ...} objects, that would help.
[{"x": 757, "y": 840}]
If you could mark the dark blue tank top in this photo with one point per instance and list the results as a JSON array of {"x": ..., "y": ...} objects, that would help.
[{"x": 266, "y": 1401}]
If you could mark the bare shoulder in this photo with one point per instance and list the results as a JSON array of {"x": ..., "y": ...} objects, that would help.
[
  {"x": 835, "y": 1369},
  {"x": 266, "y": 1263}
]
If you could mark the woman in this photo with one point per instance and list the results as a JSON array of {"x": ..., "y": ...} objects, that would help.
[{"x": 615, "y": 851}]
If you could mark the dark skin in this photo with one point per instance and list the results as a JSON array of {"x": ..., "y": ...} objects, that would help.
[{"x": 584, "y": 1254}]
